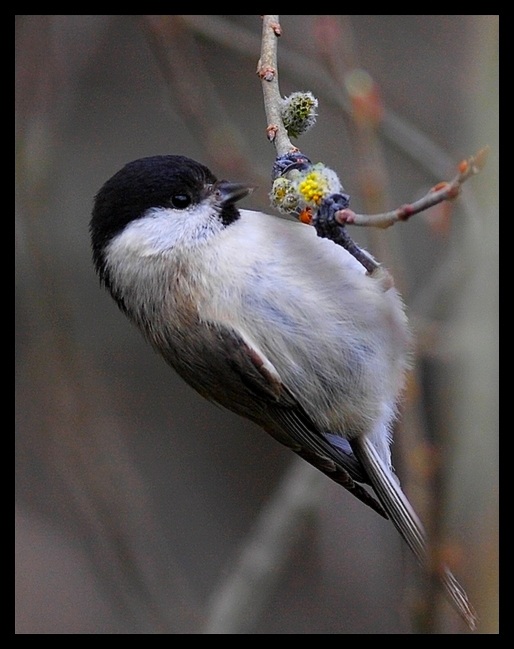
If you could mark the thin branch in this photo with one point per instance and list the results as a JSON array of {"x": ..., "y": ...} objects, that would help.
[
  {"x": 268, "y": 72},
  {"x": 443, "y": 191},
  {"x": 398, "y": 131},
  {"x": 267, "y": 69}
]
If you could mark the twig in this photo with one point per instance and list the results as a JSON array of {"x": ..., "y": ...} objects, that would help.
[
  {"x": 267, "y": 70},
  {"x": 399, "y": 132},
  {"x": 443, "y": 191}
]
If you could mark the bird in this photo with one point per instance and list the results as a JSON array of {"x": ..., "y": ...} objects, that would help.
[{"x": 265, "y": 318}]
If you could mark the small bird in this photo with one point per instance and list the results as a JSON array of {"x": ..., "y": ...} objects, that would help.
[{"x": 259, "y": 314}]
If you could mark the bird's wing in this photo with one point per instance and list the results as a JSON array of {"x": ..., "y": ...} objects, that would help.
[
  {"x": 238, "y": 376},
  {"x": 335, "y": 461}
]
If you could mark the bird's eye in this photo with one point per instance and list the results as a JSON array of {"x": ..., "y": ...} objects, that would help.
[{"x": 180, "y": 201}]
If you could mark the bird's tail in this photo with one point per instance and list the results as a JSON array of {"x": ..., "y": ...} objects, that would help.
[{"x": 406, "y": 521}]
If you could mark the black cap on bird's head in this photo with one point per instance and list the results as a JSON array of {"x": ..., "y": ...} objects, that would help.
[{"x": 168, "y": 181}]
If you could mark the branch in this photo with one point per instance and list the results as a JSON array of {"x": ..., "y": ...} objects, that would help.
[
  {"x": 395, "y": 129},
  {"x": 294, "y": 198},
  {"x": 443, "y": 191},
  {"x": 267, "y": 69}
]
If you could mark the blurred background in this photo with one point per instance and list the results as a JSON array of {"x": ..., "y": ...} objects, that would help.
[{"x": 140, "y": 507}]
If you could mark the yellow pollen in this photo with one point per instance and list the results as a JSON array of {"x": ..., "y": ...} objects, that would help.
[{"x": 313, "y": 188}]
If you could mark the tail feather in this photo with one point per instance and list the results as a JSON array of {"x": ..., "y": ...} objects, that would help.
[{"x": 407, "y": 522}]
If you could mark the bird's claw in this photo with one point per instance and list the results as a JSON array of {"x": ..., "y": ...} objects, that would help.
[
  {"x": 324, "y": 220},
  {"x": 289, "y": 161}
]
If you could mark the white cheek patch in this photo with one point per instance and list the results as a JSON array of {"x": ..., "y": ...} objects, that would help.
[
  {"x": 157, "y": 231},
  {"x": 161, "y": 230}
]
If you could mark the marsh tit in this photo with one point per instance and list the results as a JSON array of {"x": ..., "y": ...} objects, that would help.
[{"x": 262, "y": 316}]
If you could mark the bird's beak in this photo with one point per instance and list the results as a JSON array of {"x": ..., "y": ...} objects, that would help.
[{"x": 226, "y": 192}]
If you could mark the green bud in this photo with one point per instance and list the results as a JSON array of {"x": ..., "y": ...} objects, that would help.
[{"x": 299, "y": 113}]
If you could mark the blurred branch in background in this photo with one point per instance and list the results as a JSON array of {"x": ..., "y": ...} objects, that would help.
[
  {"x": 198, "y": 96},
  {"x": 237, "y": 603},
  {"x": 365, "y": 115},
  {"x": 81, "y": 472},
  {"x": 89, "y": 97}
]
